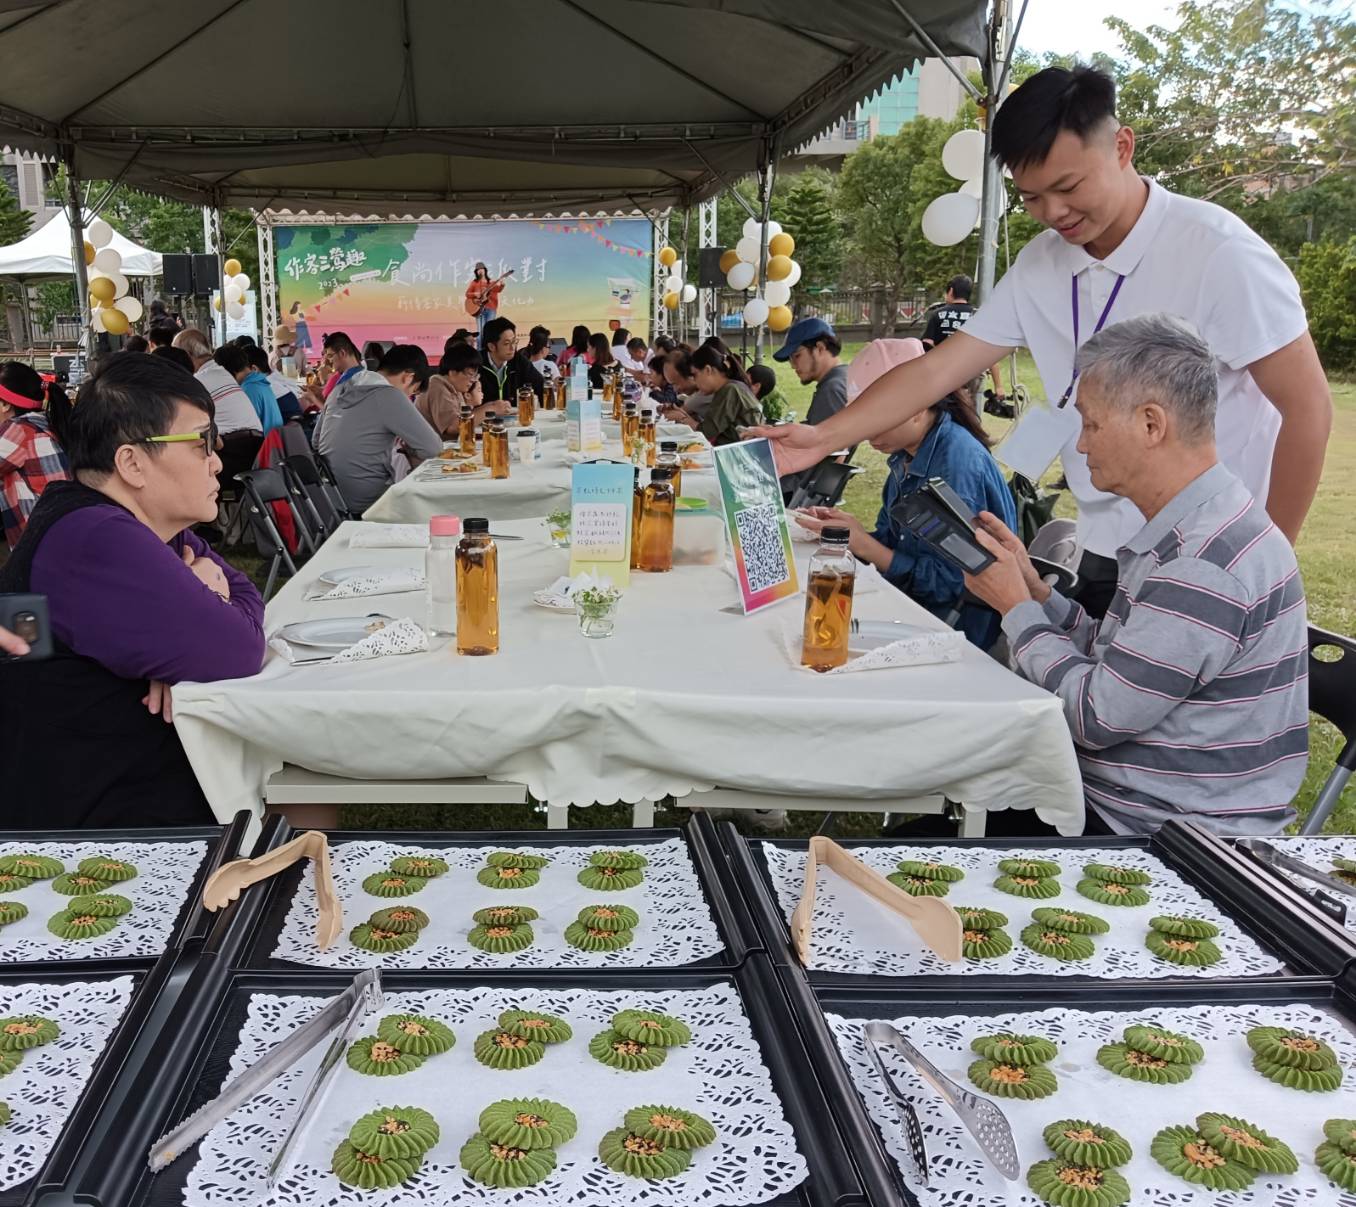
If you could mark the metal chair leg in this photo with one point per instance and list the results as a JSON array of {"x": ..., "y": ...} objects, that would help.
[{"x": 1327, "y": 800}]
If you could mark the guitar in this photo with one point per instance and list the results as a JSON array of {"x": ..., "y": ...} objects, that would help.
[{"x": 478, "y": 293}]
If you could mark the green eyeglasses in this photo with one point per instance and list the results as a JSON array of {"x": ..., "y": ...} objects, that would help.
[{"x": 207, "y": 438}]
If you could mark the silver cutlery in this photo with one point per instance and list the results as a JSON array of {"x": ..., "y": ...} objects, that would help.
[{"x": 908, "y": 1116}]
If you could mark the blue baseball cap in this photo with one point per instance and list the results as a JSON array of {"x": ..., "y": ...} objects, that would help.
[{"x": 801, "y": 332}]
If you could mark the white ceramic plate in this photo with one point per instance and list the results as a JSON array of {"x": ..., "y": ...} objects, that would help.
[
  {"x": 434, "y": 469},
  {"x": 544, "y": 599},
  {"x": 341, "y": 574},
  {"x": 333, "y": 633}
]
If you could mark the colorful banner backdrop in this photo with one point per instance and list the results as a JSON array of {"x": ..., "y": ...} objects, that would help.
[{"x": 406, "y": 281}]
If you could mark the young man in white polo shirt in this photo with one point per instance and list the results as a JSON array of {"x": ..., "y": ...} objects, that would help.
[{"x": 1118, "y": 246}]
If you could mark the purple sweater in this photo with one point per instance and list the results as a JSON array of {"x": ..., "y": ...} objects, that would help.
[{"x": 119, "y": 595}]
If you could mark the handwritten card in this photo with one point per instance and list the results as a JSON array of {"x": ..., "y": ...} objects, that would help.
[
  {"x": 756, "y": 517},
  {"x": 600, "y": 521}
]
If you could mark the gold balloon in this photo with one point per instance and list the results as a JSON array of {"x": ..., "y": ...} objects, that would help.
[
  {"x": 102, "y": 289},
  {"x": 728, "y": 260},
  {"x": 89, "y": 252},
  {"x": 668, "y": 256},
  {"x": 779, "y": 268},
  {"x": 231, "y": 268},
  {"x": 115, "y": 322},
  {"x": 779, "y": 318},
  {"x": 781, "y": 244},
  {"x": 671, "y": 300},
  {"x": 216, "y": 302}
]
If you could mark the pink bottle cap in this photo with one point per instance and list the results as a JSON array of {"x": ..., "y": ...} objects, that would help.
[{"x": 444, "y": 525}]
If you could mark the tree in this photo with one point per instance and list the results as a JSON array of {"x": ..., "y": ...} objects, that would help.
[
  {"x": 806, "y": 212},
  {"x": 1327, "y": 277},
  {"x": 14, "y": 221}
]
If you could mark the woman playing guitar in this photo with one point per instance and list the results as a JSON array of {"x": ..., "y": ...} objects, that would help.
[{"x": 482, "y": 297}]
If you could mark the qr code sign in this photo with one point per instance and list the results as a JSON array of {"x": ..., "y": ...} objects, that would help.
[{"x": 760, "y": 537}]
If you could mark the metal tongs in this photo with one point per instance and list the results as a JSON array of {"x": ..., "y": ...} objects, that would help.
[
  {"x": 336, "y": 1023},
  {"x": 1265, "y": 853},
  {"x": 981, "y": 1117}
]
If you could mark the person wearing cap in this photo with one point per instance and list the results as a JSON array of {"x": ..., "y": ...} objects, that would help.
[
  {"x": 1118, "y": 245},
  {"x": 31, "y": 453},
  {"x": 812, "y": 347}
]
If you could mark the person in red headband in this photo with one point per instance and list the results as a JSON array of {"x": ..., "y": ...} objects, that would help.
[{"x": 31, "y": 455}]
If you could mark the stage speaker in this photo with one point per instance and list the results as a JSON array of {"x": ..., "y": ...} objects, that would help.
[
  {"x": 709, "y": 275},
  {"x": 178, "y": 273},
  {"x": 205, "y": 275}
]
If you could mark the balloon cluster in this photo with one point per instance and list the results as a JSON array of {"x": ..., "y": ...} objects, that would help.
[
  {"x": 111, "y": 308},
  {"x": 236, "y": 285},
  {"x": 952, "y": 216},
  {"x": 740, "y": 266},
  {"x": 675, "y": 291}
]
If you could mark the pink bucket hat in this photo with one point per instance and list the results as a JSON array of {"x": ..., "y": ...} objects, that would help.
[{"x": 877, "y": 359}]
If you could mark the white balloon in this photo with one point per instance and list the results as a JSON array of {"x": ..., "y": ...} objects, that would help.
[
  {"x": 673, "y": 284},
  {"x": 96, "y": 319},
  {"x": 740, "y": 276},
  {"x": 973, "y": 187},
  {"x": 777, "y": 293},
  {"x": 234, "y": 293},
  {"x": 130, "y": 307},
  {"x": 773, "y": 228},
  {"x": 243, "y": 281},
  {"x": 963, "y": 154},
  {"x": 689, "y": 293},
  {"x": 790, "y": 281},
  {"x": 108, "y": 260},
  {"x": 755, "y": 312},
  {"x": 98, "y": 233},
  {"x": 751, "y": 228},
  {"x": 119, "y": 283},
  {"x": 747, "y": 249},
  {"x": 235, "y": 310},
  {"x": 949, "y": 218}
]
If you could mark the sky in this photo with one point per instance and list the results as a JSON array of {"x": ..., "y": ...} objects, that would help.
[{"x": 1066, "y": 27}]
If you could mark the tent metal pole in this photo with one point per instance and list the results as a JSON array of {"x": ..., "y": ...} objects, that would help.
[
  {"x": 268, "y": 281},
  {"x": 77, "y": 222},
  {"x": 706, "y": 237},
  {"x": 658, "y": 318},
  {"x": 993, "y": 195},
  {"x": 766, "y": 179}
]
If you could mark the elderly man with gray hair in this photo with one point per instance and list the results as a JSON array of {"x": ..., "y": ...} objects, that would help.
[{"x": 1190, "y": 698}]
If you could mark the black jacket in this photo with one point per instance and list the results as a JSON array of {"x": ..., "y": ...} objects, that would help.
[{"x": 518, "y": 372}]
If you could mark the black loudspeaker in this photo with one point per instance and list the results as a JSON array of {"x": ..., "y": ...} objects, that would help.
[
  {"x": 178, "y": 273},
  {"x": 205, "y": 275},
  {"x": 709, "y": 275}
]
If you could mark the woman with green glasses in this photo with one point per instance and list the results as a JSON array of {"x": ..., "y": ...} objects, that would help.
[{"x": 137, "y": 603}]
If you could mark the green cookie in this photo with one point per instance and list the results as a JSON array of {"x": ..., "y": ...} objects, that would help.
[
  {"x": 13, "y": 911},
  {"x": 101, "y": 905},
  {"x": 1188, "y": 928},
  {"x": 980, "y": 919},
  {"x": 647, "y": 1026},
  {"x": 425, "y": 867},
  {"x": 10, "y": 1059},
  {"x": 501, "y": 940},
  {"x": 1183, "y": 1151},
  {"x": 378, "y": 1058},
  {"x": 31, "y": 867},
  {"x": 985, "y": 944},
  {"x": 403, "y": 1132},
  {"x": 618, "y": 859},
  {"x": 670, "y": 1126},
  {"x": 110, "y": 871},
  {"x": 1140, "y": 1066},
  {"x": 1057, "y": 944},
  {"x": 70, "y": 925},
  {"x": 367, "y": 1171},
  {"x": 608, "y": 917},
  {"x": 1108, "y": 892},
  {"x": 399, "y": 918},
  {"x": 500, "y": 1049},
  {"x": 610, "y": 879},
  {"x": 1166, "y": 1045},
  {"x": 416, "y": 1034},
  {"x": 1070, "y": 920},
  {"x": 1337, "y": 1165},
  {"x": 508, "y": 877},
  {"x": 1193, "y": 953},
  {"x": 388, "y": 884},
  {"x": 1342, "y": 1133},
  {"x": 1028, "y": 886},
  {"x": 12, "y": 884},
  {"x": 613, "y": 1048},
  {"x": 1081, "y": 1142},
  {"x": 918, "y": 886},
  {"x": 515, "y": 859},
  {"x": 589, "y": 938},
  {"x": 532, "y": 1024},
  {"x": 503, "y": 1166},
  {"x": 374, "y": 938},
  {"x": 1246, "y": 1143},
  {"x": 1298, "y": 1049},
  {"x": 1110, "y": 873},
  {"x": 1035, "y": 869},
  {"x": 926, "y": 870},
  {"x": 1009, "y": 1049},
  {"x": 75, "y": 884},
  {"x": 1013, "y": 1081},
  {"x": 26, "y": 1031},
  {"x": 5, "y": 1114},
  {"x": 1343, "y": 864},
  {"x": 504, "y": 915},
  {"x": 1063, "y": 1184},
  {"x": 528, "y": 1123},
  {"x": 1309, "y": 1080},
  {"x": 637, "y": 1157}
]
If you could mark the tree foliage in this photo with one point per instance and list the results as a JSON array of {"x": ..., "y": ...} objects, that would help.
[
  {"x": 807, "y": 213},
  {"x": 1327, "y": 277},
  {"x": 14, "y": 221}
]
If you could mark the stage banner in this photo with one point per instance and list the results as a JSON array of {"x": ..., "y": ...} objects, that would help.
[{"x": 406, "y": 282}]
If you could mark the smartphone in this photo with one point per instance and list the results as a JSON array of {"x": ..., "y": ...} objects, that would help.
[{"x": 26, "y": 617}]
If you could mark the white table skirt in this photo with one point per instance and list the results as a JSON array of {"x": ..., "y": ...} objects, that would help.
[
  {"x": 528, "y": 491},
  {"x": 687, "y": 695}
]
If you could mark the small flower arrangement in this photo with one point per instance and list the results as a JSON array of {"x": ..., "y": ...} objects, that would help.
[{"x": 596, "y": 609}]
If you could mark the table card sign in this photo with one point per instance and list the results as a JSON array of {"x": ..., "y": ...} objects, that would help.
[
  {"x": 584, "y": 425},
  {"x": 579, "y": 380},
  {"x": 756, "y": 517},
  {"x": 600, "y": 521}
]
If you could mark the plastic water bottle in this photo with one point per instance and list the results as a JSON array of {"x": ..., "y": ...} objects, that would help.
[{"x": 440, "y": 574}]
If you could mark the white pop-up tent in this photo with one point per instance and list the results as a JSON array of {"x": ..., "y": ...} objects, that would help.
[{"x": 46, "y": 252}]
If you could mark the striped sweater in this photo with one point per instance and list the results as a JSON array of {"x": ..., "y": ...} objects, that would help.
[{"x": 1191, "y": 696}]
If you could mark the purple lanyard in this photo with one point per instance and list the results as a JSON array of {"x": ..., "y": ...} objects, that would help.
[{"x": 1101, "y": 322}]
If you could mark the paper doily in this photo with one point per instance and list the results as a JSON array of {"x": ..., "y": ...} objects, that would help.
[
  {"x": 1318, "y": 853},
  {"x": 165, "y": 873},
  {"x": 1225, "y": 1081},
  {"x": 853, "y": 934},
  {"x": 720, "y": 1074},
  {"x": 675, "y": 922},
  {"x": 43, "y": 1090}
]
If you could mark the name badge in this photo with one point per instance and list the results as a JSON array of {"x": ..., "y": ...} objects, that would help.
[{"x": 1032, "y": 445}]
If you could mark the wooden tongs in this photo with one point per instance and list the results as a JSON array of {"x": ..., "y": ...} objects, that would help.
[
  {"x": 936, "y": 923},
  {"x": 226, "y": 883}
]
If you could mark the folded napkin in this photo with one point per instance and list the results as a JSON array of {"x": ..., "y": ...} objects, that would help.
[
  {"x": 561, "y": 593},
  {"x": 401, "y": 636},
  {"x": 389, "y": 582},
  {"x": 916, "y": 646},
  {"x": 390, "y": 536}
]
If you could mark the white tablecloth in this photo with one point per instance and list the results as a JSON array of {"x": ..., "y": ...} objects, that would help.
[
  {"x": 531, "y": 490},
  {"x": 688, "y": 695}
]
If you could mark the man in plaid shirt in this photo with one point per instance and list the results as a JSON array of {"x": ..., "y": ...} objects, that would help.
[{"x": 30, "y": 456}]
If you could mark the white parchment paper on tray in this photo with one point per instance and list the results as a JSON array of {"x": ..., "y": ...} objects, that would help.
[
  {"x": 853, "y": 934},
  {"x": 43, "y": 1090},
  {"x": 165, "y": 872},
  {"x": 675, "y": 927},
  {"x": 720, "y": 1075},
  {"x": 1319, "y": 853},
  {"x": 1224, "y": 1082}
]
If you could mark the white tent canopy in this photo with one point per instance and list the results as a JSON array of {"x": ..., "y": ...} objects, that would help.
[{"x": 47, "y": 253}]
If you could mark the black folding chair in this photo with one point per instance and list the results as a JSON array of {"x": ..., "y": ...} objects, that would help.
[
  {"x": 311, "y": 532},
  {"x": 260, "y": 487},
  {"x": 336, "y": 495},
  {"x": 824, "y": 485},
  {"x": 322, "y": 511},
  {"x": 294, "y": 439},
  {"x": 1332, "y": 694}
]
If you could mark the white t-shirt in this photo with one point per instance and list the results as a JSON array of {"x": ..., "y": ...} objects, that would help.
[
  {"x": 548, "y": 368},
  {"x": 234, "y": 410},
  {"x": 1184, "y": 257}
]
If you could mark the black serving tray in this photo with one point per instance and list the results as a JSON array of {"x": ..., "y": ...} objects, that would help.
[
  {"x": 193, "y": 923},
  {"x": 1272, "y": 915},
  {"x": 111, "y": 1171},
  {"x": 264, "y": 907}
]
